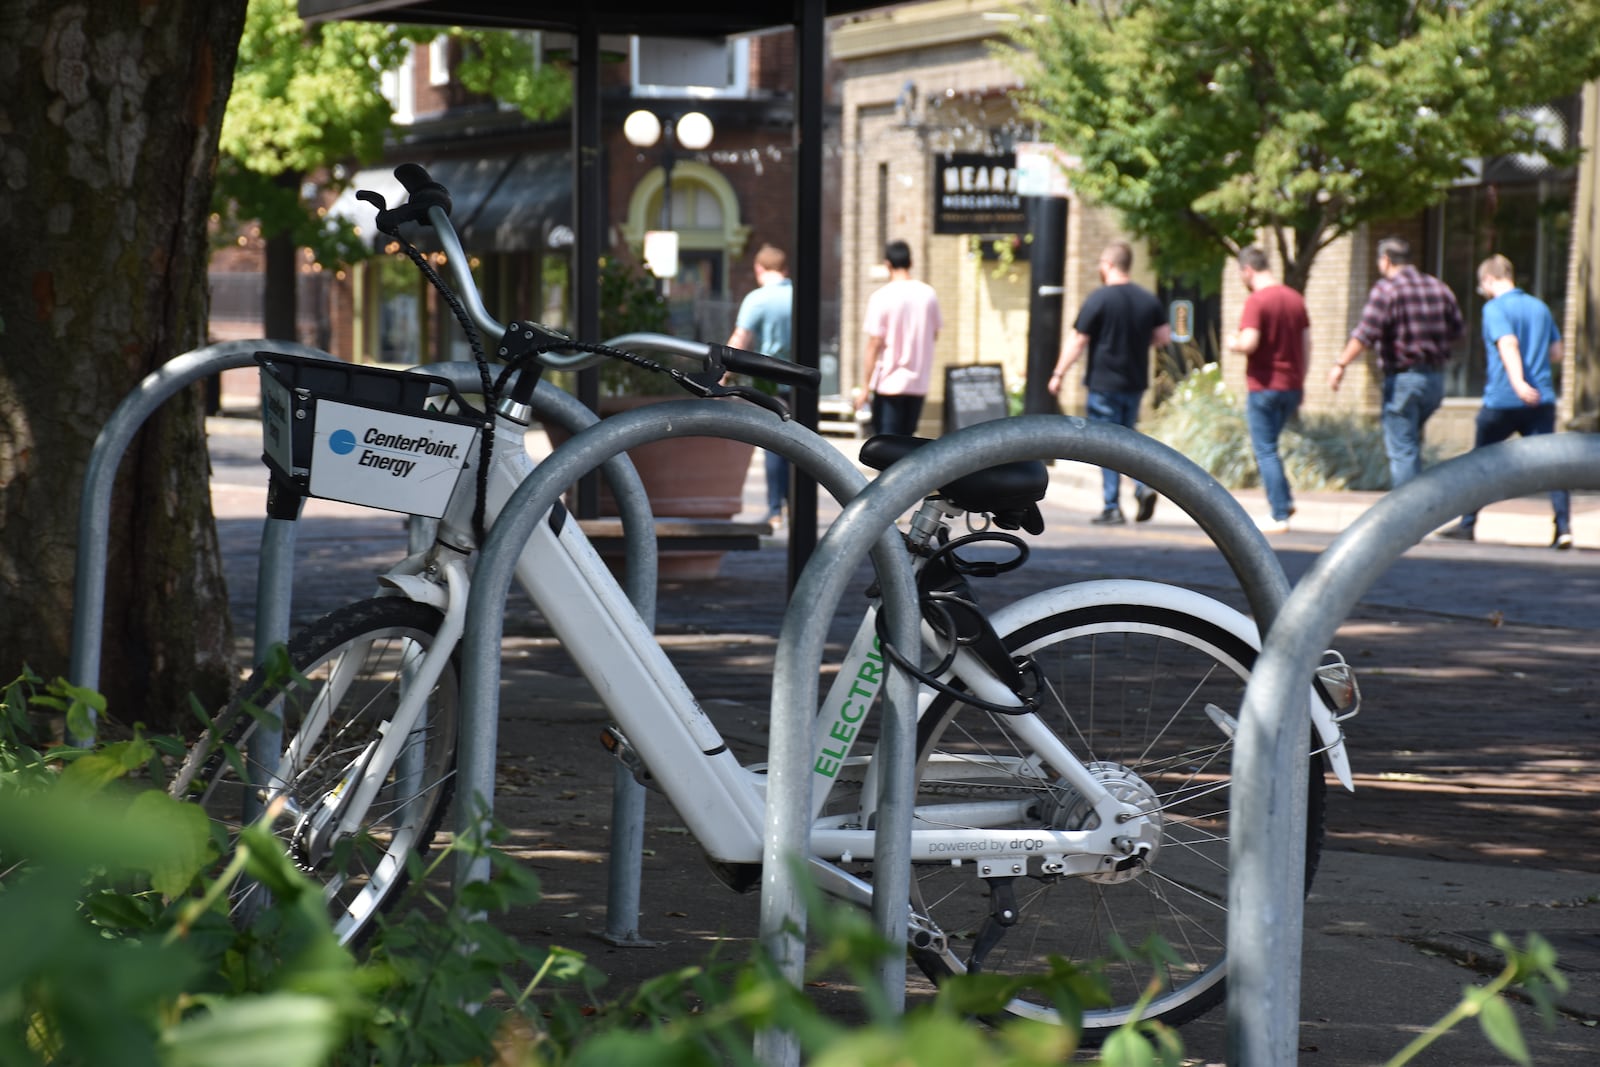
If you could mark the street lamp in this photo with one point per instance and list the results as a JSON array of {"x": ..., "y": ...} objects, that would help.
[{"x": 692, "y": 130}]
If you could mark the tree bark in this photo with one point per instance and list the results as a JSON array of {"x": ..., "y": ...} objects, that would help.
[
  {"x": 280, "y": 299},
  {"x": 108, "y": 140},
  {"x": 1583, "y": 351},
  {"x": 280, "y": 307}
]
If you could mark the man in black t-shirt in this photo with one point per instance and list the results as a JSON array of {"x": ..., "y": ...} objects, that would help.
[{"x": 1116, "y": 326}]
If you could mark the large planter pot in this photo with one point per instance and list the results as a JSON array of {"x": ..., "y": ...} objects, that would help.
[{"x": 685, "y": 478}]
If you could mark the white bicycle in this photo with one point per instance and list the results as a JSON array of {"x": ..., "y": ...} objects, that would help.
[{"x": 1074, "y": 747}]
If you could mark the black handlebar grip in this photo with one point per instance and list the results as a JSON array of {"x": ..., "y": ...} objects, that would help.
[
  {"x": 769, "y": 368},
  {"x": 425, "y": 192}
]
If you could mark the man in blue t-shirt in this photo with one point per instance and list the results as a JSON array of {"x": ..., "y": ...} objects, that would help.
[
  {"x": 763, "y": 326},
  {"x": 1522, "y": 343}
]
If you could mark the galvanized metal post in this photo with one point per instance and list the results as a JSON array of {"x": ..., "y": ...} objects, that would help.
[
  {"x": 94, "y": 507},
  {"x": 625, "y": 870},
  {"x": 539, "y": 492},
  {"x": 1266, "y": 910},
  {"x": 862, "y": 525}
]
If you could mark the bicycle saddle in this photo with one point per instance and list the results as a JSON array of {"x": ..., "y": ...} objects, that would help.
[{"x": 1009, "y": 491}]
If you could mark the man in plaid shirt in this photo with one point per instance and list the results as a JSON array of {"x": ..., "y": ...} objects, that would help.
[{"x": 1412, "y": 319}]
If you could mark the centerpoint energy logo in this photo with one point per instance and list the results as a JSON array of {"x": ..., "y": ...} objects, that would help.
[
  {"x": 388, "y": 459},
  {"x": 391, "y": 452}
]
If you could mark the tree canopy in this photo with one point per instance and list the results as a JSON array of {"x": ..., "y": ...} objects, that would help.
[
  {"x": 1207, "y": 122},
  {"x": 307, "y": 98}
]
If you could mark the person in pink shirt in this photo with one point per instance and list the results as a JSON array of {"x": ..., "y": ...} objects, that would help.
[
  {"x": 902, "y": 324},
  {"x": 1275, "y": 337}
]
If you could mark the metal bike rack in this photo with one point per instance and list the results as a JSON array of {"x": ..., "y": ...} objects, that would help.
[
  {"x": 481, "y": 655},
  {"x": 862, "y": 524},
  {"x": 626, "y": 870},
  {"x": 94, "y": 508},
  {"x": 1267, "y": 911},
  {"x": 277, "y": 538}
]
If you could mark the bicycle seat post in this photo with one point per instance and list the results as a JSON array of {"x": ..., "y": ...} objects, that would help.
[{"x": 933, "y": 516}]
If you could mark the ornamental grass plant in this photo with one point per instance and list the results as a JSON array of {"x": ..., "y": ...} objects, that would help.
[{"x": 1205, "y": 421}]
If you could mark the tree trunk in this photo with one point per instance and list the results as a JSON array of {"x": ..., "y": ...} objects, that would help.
[
  {"x": 280, "y": 305},
  {"x": 1583, "y": 350},
  {"x": 108, "y": 139}
]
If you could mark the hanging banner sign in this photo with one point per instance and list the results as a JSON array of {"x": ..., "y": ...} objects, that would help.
[{"x": 976, "y": 193}]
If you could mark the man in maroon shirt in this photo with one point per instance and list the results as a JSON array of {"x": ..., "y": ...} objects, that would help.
[
  {"x": 1412, "y": 319},
  {"x": 1275, "y": 336}
]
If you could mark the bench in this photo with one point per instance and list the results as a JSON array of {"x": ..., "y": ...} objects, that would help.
[{"x": 682, "y": 535}]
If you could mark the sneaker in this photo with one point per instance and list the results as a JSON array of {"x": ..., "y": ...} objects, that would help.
[
  {"x": 1563, "y": 541},
  {"x": 1110, "y": 517},
  {"x": 1147, "y": 498},
  {"x": 775, "y": 517},
  {"x": 1268, "y": 525},
  {"x": 1457, "y": 533}
]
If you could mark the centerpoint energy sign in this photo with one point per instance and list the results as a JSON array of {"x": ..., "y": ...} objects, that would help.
[{"x": 977, "y": 193}]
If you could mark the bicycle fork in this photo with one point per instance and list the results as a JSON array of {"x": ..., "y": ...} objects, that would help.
[{"x": 343, "y": 808}]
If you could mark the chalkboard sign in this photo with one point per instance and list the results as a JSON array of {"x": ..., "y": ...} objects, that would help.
[{"x": 972, "y": 394}]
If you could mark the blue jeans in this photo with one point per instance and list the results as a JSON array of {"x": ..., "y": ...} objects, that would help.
[
  {"x": 1409, "y": 397},
  {"x": 1122, "y": 409},
  {"x": 1265, "y": 412},
  {"x": 1498, "y": 424},
  {"x": 777, "y": 482}
]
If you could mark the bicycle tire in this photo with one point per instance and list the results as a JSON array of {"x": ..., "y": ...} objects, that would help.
[
  {"x": 364, "y": 873},
  {"x": 1128, "y": 683}
]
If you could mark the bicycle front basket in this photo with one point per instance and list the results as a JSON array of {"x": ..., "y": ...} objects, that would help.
[{"x": 363, "y": 435}]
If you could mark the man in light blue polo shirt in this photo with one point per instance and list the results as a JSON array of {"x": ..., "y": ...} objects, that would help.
[
  {"x": 763, "y": 326},
  {"x": 1521, "y": 342}
]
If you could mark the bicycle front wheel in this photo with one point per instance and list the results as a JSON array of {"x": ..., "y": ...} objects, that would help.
[
  {"x": 349, "y": 673},
  {"x": 1143, "y": 694}
]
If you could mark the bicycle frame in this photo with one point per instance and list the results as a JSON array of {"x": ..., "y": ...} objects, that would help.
[{"x": 720, "y": 800}]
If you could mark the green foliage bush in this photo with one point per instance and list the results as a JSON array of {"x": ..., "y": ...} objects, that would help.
[
  {"x": 1205, "y": 421},
  {"x": 118, "y": 949}
]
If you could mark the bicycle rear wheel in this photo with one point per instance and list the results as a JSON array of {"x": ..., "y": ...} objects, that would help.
[
  {"x": 1143, "y": 693},
  {"x": 349, "y": 673}
]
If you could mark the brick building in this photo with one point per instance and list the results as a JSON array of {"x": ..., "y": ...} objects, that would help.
[
  {"x": 919, "y": 85},
  {"x": 915, "y": 92},
  {"x": 511, "y": 181}
]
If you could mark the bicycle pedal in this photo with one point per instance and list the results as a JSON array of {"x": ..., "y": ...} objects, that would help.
[{"x": 618, "y": 745}]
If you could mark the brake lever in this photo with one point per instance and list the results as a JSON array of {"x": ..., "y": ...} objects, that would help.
[{"x": 700, "y": 386}]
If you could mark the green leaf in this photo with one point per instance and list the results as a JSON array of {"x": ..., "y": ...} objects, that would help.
[
  {"x": 267, "y": 863},
  {"x": 1127, "y": 1047},
  {"x": 119, "y": 911},
  {"x": 1499, "y": 1024},
  {"x": 188, "y": 834},
  {"x": 278, "y": 1030}
]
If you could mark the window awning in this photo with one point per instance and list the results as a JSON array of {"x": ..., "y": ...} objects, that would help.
[{"x": 504, "y": 203}]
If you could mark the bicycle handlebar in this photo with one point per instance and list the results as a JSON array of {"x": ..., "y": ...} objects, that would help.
[
  {"x": 423, "y": 192},
  {"x": 757, "y": 365}
]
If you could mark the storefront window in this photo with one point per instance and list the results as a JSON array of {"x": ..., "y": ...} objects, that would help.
[
  {"x": 1530, "y": 224},
  {"x": 1522, "y": 209},
  {"x": 399, "y": 311}
]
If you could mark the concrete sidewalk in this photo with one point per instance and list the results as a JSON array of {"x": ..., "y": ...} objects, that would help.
[{"x": 1518, "y": 521}]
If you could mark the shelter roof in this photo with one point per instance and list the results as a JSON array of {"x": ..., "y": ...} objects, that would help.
[{"x": 703, "y": 18}]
